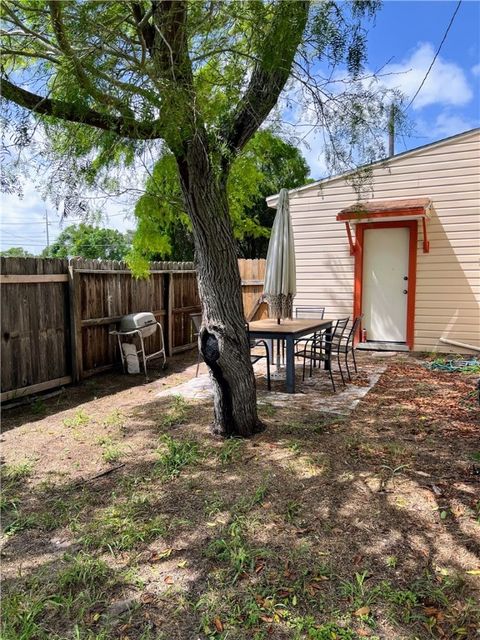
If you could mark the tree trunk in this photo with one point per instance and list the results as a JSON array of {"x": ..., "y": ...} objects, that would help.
[{"x": 223, "y": 339}]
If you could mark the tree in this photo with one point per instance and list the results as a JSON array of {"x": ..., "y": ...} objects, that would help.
[
  {"x": 16, "y": 252},
  {"x": 88, "y": 241},
  {"x": 280, "y": 165},
  {"x": 264, "y": 166},
  {"x": 201, "y": 77}
]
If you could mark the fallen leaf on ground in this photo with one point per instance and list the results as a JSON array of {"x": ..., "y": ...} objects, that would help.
[
  {"x": 168, "y": 580},
  {"x": 363, "y": 611},
  {"x": 218, "y": 625},
  {"x": 155, "y": 556},
  {"x": 259, "y": 566},
  {"x": 474, "y": 572}
]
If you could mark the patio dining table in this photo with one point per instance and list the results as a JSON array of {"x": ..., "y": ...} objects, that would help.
[{"x": 290, "y": 331}]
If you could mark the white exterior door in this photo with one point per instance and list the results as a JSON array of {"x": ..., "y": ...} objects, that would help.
[{"x": 385, "y": 268}]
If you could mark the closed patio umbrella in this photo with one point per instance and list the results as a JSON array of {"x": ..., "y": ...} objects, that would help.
[{"x": 280, "y": 275}]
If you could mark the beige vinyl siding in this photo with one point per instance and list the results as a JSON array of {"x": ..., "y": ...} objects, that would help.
[{"x": 448, "y": 278}]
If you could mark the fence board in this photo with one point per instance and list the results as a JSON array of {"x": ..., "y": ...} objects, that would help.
[
  {"x": 252, "y": 273},
  {"x": 35, "y": 324}
]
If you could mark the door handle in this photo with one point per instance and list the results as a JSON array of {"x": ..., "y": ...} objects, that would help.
[{"x": 405, "y": 291}]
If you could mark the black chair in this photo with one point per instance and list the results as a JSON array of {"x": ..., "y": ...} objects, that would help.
[
  {"x": 197, "y": 324},
  {"x": 255, "y": 357},
  {"x": 308, "y": 312},
  {"x": 323, "y": 348},
  {"x": 347, "y": 345}
]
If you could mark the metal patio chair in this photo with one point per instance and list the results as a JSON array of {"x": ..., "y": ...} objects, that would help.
[
  {"x": 197, "y": 324},
  {"x": 323, "y": 348},
  {"x": 308, "y": 312},
  {"x": 255, "y": 357},
  {"x": 347, "y": 345}
]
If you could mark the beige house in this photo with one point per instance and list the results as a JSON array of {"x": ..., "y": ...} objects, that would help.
[{"x": 406, "y": 255}]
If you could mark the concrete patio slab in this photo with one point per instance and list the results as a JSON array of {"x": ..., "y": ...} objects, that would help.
[{"x": 315, "y": 391}]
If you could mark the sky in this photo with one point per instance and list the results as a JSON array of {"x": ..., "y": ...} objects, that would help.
[{"x": 404, "y": 36}]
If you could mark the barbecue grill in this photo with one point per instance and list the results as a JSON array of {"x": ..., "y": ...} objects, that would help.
[{"x": 141, "y": 325}]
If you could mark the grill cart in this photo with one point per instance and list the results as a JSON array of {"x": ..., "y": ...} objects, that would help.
[{"x": 141, "y": 325}]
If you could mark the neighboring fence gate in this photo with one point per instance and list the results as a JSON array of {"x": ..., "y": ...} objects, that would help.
[{"x": 57, "y": 316}]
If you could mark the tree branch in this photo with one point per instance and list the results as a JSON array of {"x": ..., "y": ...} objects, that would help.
[
  {"x": 80, "y": 72},
  {"x": 126, "y": 127},
  {"x": 170, "y": 48},
  {"x": 270, "y": 72},
  {"x": 29, "y": 54}
]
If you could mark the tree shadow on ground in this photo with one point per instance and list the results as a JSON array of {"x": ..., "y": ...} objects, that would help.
[
  {"x": 319, "y": 527},
  {"x": 106, "y": 384}
]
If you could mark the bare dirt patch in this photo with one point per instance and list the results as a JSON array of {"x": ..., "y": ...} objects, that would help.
[{"x": 323, "y": 527}]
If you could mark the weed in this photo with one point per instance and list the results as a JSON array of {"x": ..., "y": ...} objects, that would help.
[
  {"x": 233, "y": 549},
  {"x": 294, "y": 447},
  {"x": 18, "y": 471},
  {"x": 8, "y": 502},
  {"x": 38, "y": 406},
  {"x": 327, "y": 631},
  {"x": 247, "y": 503},
  {"x": 132, "y": 577},
  {"x": 292, "y": 511},
  {"x": 213, "y": 505},
  {"x": 176, "y": 455},
  {"x": 177, "y": 413},
  {"x": 391, "y": 562},
  {"x": 111, "y": 450},
  {"x": 122, "y": 526},
  {"x": 19, "y": 522},
  {"x": 114, "y": 419},
  {"x": 32, "y": 612},
  {"x": 356, "y": 589},
  {"x": 83, "y": 572},
  {"x": 231, "y": 451},
  {"x": 267, "y": 409},
  {"x": 80, "y": 419},
  {"x": 21, "y": 617}
]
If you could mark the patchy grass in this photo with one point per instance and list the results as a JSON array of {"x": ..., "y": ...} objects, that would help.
[
  {"x": 115, "y": 419},
  {"x": 321, "y": 528},
  {"x": 123, "y": 526},
  {"x": 80, "y": 419},
  {"x": 176, "y": 414},
  {"x": 111, "y": 451},
  {"x": 174, "y": 455},
  {"x": 17, "y": 471},
  {"x": 231, "y": 451},
  {"x": 49, "y": 601}
]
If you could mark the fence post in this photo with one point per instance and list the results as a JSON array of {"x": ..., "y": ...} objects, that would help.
[
  {"x": 75, "y": 324},
  {"x": 170, "y": 286}
]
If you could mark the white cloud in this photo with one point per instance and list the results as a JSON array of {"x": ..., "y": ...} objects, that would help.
[
  {"x": 445, "y": 125},
  {"x": 476, "y": 70},
  {"x": 446, "y": 83}
]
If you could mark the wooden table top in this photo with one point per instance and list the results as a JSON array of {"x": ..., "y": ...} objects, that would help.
[{"x": 287, "y": 327}]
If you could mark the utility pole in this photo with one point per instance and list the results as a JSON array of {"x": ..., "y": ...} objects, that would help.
[
  {"x": 391, "y": 131},
  {"x": 46, "y": 227}
]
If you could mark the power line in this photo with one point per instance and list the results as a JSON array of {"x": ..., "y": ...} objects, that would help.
[
  {"x": 63, "y": 220},
  {"x": 436, "y": 54}
]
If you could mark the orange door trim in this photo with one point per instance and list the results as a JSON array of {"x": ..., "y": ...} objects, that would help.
[{"x": 412, "y": 225}]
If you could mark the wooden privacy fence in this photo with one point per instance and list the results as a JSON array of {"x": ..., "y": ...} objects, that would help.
[{"x": 57, "y": 315}]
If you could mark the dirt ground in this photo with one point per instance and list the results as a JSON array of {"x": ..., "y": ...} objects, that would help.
[{"x": 123, "y": 518}]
